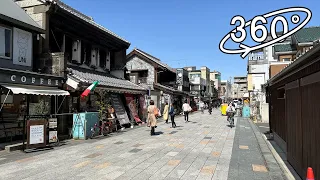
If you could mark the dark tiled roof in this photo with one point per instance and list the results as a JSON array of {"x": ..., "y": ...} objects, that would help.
[
  {"x": 165, "y": 87},
  {"x": 309, "y": 34},
  {"x": 284, "y": 48},
  {"x": 86, "y": 18},
  {"x": 154, "y": 59},
  {"x": 104, "y": 80}
]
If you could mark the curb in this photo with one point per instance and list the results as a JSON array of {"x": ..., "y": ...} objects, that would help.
[
  {"x": 282, "y": 165},
  {"x": 271, "y": 161}
]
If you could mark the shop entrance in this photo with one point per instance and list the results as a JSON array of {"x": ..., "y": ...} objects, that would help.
[{"x": 19, "y": 102}]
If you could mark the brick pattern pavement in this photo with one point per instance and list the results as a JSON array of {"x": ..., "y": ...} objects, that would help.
[{"x": 201, "y": 149}]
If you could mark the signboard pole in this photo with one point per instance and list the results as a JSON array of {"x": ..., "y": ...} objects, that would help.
[{"x": 24, "y": 125}]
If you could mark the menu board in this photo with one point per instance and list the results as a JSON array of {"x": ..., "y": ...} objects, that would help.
[
  {"x": 53, "y": 136},
  {"x": 36, "y": 134},
  {"x": 119, "y": 109}
]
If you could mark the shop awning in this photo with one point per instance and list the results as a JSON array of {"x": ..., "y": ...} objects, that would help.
[
  {"x": 36, "y": 90},
  {"x": 106, "y": 81}
]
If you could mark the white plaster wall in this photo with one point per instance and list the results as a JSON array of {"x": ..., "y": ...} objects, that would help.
[
  {"x": 264, "y": 110},
  {"x": 258, "y": 80},
  {"x": 136, "y": 63}
]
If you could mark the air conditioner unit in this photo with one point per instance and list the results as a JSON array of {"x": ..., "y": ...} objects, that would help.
[{"x": 76, "y": 51}]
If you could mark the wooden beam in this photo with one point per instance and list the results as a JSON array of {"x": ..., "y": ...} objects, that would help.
[
  {"x": 79, "y": 30},
  {"x": 87, "y": 37},
  {"x": 90, "y": 28}
]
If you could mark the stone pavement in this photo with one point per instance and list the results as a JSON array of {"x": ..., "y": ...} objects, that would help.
[
  {"x": 205, "y": 148},
  {"x": 250, "y": 156}
]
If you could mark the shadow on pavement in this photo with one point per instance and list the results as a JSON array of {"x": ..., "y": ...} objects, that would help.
[
  {"x": 231, "y": 126},
  {"x": 158, "y": 133}
]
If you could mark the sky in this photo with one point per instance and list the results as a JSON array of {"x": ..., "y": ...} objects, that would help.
[{"x": 185, "y": 32}]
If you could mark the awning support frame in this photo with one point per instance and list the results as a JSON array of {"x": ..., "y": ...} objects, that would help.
[{"x": 4, "y": 100}]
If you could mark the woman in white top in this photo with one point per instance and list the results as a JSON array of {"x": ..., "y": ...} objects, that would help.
[
  {"x": 186, "y": 109},
  {"x": 201, "y": 106}
]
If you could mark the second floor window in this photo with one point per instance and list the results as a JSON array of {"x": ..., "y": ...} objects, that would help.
[
  {"x": 5, "y": 42},
  {"x": 286, "y": 59}
]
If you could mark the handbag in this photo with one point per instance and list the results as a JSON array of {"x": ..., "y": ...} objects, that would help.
[{"x": 156, "y": 112}]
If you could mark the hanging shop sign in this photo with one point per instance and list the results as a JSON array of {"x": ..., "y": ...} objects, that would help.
[{"x": 120, "y": 111}]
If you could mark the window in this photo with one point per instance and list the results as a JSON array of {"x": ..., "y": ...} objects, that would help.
[
  {"x": 286, "y": 59},
  {"x": 102, "y": 60},
  {"x": 5, "y": 42},
  {"x": 281, "y": 93}
]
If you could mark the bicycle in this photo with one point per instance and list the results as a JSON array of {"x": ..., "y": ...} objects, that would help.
[
  {"x": 104, "y": 129},
  {"x": 230, "y": 118}
]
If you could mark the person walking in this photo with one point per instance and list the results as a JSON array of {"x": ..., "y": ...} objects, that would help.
[
  {"x": 166, "y": 112},
  {"x": 210, "y": 107},
  {"x": 186, "y": 109},
  {"x": 172, "y": 114},
  {"x": 201, "y": 106},
  {"x": 152, "y": 114}
]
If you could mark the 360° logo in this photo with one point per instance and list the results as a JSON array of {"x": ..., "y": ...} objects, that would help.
[{"x": 254, "y": 27}]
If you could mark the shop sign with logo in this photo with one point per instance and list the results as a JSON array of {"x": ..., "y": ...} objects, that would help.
[
  {"x": 22, "y": 47},
  {"x": 30, "y": 79}
]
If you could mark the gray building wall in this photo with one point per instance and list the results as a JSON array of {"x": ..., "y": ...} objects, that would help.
[
  {"x": 8, "y": 63},
  {"x": 135, "y": 63}
]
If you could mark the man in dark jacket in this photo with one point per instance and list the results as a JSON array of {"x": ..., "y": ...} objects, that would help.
[{"x": 172, "y": 114}]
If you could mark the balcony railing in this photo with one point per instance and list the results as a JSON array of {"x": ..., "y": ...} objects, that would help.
[
  {"x": 255, "y": 57},
  {"x": 257, "y": 62},
  {"x": 240, "y": 80}
]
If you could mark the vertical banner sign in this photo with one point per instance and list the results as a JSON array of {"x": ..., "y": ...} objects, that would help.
[
  {"x": 131, "y": 103},
  {"x": 53, "y": 133},
  {"x": 120, "y": 111},
  {"x": 22, "y": 47},
  {"x": 143, "y": 106}
]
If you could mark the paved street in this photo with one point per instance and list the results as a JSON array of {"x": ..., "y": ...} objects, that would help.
[{"x": 205, "y": 148}]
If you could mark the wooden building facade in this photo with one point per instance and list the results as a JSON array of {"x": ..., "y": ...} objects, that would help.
[{"x": 294, "y": 101}]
